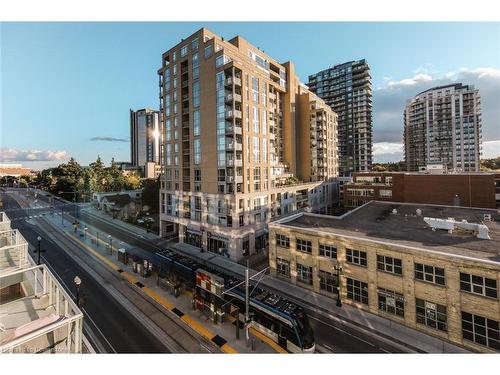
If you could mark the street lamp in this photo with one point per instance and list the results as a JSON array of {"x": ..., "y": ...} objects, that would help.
[
  {"x": 39, "y": 248},
  {"x": 77, "y": 282},
  {"x": 85, "y": 233},
  {"x": 97, "y": 238},
  {"x": 338, "y": 268},
  {"x": 110, "y": 240}
]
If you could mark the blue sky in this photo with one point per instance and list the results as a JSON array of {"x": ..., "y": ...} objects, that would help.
[{"x": 65, "y": 83}]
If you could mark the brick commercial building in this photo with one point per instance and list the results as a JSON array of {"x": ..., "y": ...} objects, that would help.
[
  {"x": 395, "y": 261},
  {"x": 465, "y": 189},
  {"x": 244, "y": 142}
]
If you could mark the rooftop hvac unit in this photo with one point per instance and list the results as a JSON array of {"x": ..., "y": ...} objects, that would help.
[{"x": 450, "y": 224}]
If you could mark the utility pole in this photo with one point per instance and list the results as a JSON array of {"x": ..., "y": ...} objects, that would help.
[{"x": 247, "y": 303}]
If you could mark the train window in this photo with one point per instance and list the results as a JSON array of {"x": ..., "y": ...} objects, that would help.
[{"x": 289, "y": 333}]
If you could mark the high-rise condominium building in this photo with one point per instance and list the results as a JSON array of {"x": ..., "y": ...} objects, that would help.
[
  {"x": 146, "y": 140},
  {"x": 347, "y": 89},
  {"x": 443, "y": 125},
  {"x": 244, "y": 142}
]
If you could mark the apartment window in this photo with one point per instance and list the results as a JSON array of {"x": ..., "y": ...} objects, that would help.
[
  {"x": 168, "y": 129},
  {"x": 429, "y": 273},
  {"x": 357, "y": 291},
  {"x": 196, "y": 123},
  {"x": 256, "y": 119},
  {"x": 194, "y": 44},
  {"x": 391, "y": 302},
  {"x": 356, "y": 257},
  {"x": 431, "y": 314},
  {"x": 283, "y": 267},
  {"x": 256, "y": 151},
  {"x": 328, "y": 251},
  {"x": 255, "y": 90},
  {"x": 328, "y": 281},
  {"x": 304, "y": 274},
  {"x": 304, "y": 246},
  {"x": 481, "y": 330},
  {"x": 478, "y": 285},
  {"x": 208, "y": 51},
  {"x": 389, "y": 264},
  {"x": 197, "y": 175},
  {"x": 197, "y": 151},
  {"x": 184, "y": 51},
  {"x": 196, "y": 94},
  {"x": 196, "y": 66},
  {"x": 385, "y": 193},
  {"x": 282, "y": 240}
]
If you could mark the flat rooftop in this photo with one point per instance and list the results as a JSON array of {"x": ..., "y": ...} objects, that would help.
[{"x": 376, "y": 221}]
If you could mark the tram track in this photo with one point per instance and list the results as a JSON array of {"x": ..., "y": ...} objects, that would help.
[{"x": 174, "y": 335}]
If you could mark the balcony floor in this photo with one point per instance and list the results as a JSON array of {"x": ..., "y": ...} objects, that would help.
[{"x": 22, "y": 311}]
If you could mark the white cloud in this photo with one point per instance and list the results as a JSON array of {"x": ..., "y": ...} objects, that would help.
[
  {"x": 384, "y": 152},
  {"x": 491, "y": 149},
  {"x": 417, "y": 78},
  {"x": 10, "y": 154},
  {"x": 381, "y": 148}
]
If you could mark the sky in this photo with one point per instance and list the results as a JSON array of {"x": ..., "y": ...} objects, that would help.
[{"x": 66, "y": 88}]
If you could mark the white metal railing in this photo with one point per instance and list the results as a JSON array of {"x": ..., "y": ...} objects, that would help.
[
  {"x": 4, "y": 222},
  {"x": 38, "y": 282},
  {"x": 13, "y": 252}
]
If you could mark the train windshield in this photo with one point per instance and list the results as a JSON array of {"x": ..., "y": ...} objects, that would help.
[{"x": 305, "y": 331}]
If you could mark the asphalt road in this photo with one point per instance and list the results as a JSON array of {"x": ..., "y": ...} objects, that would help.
[
  {"x": 116, "y": 329},
  {"x": 331, "y": 335}
]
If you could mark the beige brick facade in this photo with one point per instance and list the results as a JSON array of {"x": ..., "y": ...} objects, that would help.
[{"x": 448, "y": 295}]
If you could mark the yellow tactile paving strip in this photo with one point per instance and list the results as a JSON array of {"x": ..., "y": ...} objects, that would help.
[{"x": 226, "y": 348}]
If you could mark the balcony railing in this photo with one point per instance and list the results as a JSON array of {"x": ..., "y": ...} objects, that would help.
[
  {"x": 13, "y": 251},
  {"x": 234, "y": 163},
  {"x": 233, "y": 80},
  {"x": 233, "y": 98},
  {"x": 234, "y": 146},
  {"x": 233, "y": 114},
  {"x": 234, "y": 179},
  {"x": 57, "y": 325},
  {"x": 232, "y": 129}
]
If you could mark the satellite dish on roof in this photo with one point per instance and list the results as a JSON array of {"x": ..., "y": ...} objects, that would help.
[
  {"x": 394, "y": 211},
  {"x": 419, "y": 212}
]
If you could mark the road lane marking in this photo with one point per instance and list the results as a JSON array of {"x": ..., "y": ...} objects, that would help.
[
  {"x": 349, "y": 334},
  {"x": 133, "y": 280}
]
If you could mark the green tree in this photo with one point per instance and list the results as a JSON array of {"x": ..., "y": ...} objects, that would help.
[{"x": 151, "y": 195}]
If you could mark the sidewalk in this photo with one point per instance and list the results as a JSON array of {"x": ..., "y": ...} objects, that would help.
[
  {"x": 372, "y": 325},
  {"x": 221, "y": 335},
  {"x": 367, "y": 323}
]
